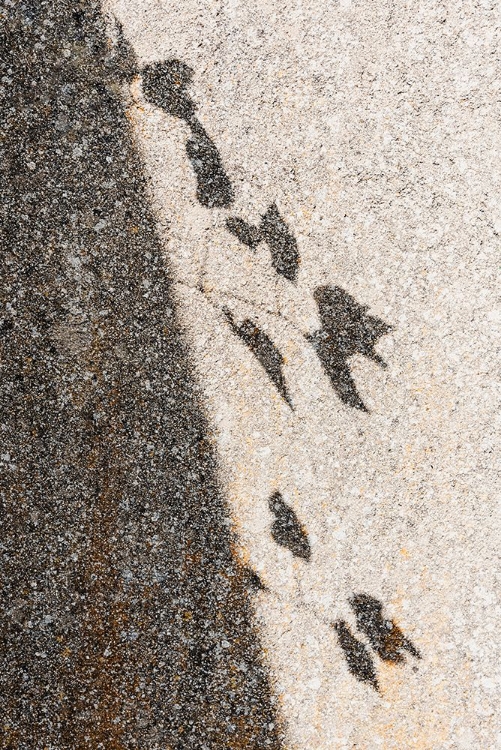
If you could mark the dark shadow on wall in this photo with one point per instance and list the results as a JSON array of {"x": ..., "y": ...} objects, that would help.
[{"x": 126, "y": 619}]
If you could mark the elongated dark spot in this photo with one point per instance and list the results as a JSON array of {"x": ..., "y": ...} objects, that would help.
[
  {"x": 358, "y": 658},
  {"x": 282, "y": 243},
  {"x": 246, "y": 233},
  {"x": 213, "y": 186},
  {"x": 264, "y": 350},
  {"x": 287, "y": 530}
]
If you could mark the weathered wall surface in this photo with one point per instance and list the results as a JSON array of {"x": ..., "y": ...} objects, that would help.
[{"x": 323, "y": 183}]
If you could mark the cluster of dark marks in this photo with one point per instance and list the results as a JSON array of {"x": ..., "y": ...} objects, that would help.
[
  {"x": 264, "y": 350},
  {"x": 287, "y": 530},
  {"x": 384, "y": 636},
  {"x": 165, "y": 86},
  {"x": 346, "y": 330},
  {"x": 274, "y": 231}
]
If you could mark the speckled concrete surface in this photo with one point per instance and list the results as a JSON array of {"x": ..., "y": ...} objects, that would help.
[{"x": 321, "y": 186}]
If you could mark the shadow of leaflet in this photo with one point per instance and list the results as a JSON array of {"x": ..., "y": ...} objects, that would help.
[
  {"x": 264, "y": 350},
  {"x": 358, "y": 658},
  {"x": 274, "y": 231},
  {"x": 165, "y": 85},
  {"x": 385, "y": 637},
  {"x": 346, "y": 330},
  {"x": 287, "y": 530},
  {"x": 127, "y": 619}
]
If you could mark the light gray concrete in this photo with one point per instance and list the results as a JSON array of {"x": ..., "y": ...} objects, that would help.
[{"x": 374, "y": 126}]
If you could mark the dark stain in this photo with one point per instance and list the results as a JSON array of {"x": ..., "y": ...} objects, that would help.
[
  {"x": 384, "y": 635},
  {"x": 274, "y": 231},
  {"x": 264, "y": 350},
  {"x": 358, "y": 658},
  {"x": 287, "y": 530},
  {"x": 165, "y": 84},
  {"x": 346, "y": 330},
  {"x": 125, "y": 614}
]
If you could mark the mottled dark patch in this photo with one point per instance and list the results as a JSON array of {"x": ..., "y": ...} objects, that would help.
[
  {"x": 383, "y": 634},
  {"x": 214, "y": 189},
  {"x": 125, "y": 615},
  {"x": 274, "y": 231},
  {"x": 165, "y": 85},
  {"x": 346, "y": 330},
  {"x": 287, "y": 530},
  {"x": 358, "y": 658},
  {"x": 246, "y": 233},
  {"x": 264, "y": 350},
  {"x": 282, "y": 243}
]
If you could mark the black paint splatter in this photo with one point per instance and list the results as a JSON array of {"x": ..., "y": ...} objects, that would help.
[
  {"x": 346, "y": 330},
  {"x": 287, "y": 530},
  {"x": 384, "y": 635},
  {"x": 264, "y": 350},
  {"x": 165, "y": 86},
  {"x": 358, "y": 658}
]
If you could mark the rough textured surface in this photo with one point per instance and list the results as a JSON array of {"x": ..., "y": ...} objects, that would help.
[
  {"x": 312, "y": 260},
  {"x": 126, "y": 618}
]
